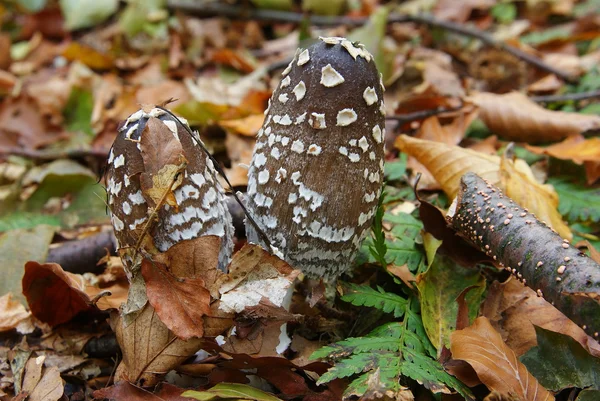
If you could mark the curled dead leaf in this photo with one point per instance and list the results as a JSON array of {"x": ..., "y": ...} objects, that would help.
[
  {"x": 515, "y": 117},
  {"x": 180, "y": 302},
  {"x": 495, "y": 363}
]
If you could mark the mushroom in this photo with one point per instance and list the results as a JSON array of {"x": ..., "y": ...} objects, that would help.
[
  {"x": 198, "y": 205},
  {"x": 317, "y": 168}
]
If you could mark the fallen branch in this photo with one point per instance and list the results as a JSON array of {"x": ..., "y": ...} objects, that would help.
[
  {"x": 50, "y": 155},
  {"x": 421, "y": 114},
  {"x": 567, "y": 97},
  {"x": 211, "y": 9},
  {"x": 82, "y": 255},
  {"x": 530, "y": 249}
]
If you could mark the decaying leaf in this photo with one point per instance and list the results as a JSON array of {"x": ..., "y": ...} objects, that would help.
[
  {"x": 515, "y": 117},
  {"x": 53, "y": 296},
  {"x": 439, "y": 287},
  {"x": 495, "y": 363},
  {"x": 515, "y": 309},
  {"x": 254, "y": 274},
  {"x": 575, "y": 147},
  {"x": 13, "y": 315},
  {"x": 163, "y": 161},
  {"x": 180, "y": 302},
  {"x": 41, "y": 384},
  {"x": 150, "y": 349}
]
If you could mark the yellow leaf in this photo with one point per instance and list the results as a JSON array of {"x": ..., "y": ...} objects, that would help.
[
  {"x": 163, "y": 184},
  {"x": 449, "y": 163},
  {"x": 497, "y": 366},
  {"x": 575, "y": 148},
  {"x": 247, "y": 126},
  {"x": 517, "y": 181}
]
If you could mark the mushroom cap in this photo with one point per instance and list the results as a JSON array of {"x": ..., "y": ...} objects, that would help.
[
  {"x": 200, "y": 200},
  {"x": 317, "y": 168}
]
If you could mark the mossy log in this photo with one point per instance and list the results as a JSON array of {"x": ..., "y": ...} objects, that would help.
[{"x": 529, "y": 249}]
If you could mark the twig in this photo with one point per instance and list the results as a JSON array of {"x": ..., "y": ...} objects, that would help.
[
  {"x": 567, "y": 97},
  {"x": 420, "y": 115},
  {"x": 49, "y": 155},
  {"x": 226, "y": 10}
]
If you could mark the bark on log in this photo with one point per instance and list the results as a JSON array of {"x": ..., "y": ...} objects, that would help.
[{"x": 531, "y": 250}]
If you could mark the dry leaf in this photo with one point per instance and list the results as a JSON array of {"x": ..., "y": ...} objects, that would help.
[
  {"x": 495, "y": 363},
  {"x": 516, "y": 308},
  {"x": 13, "y": 315},
  {"x": 247, "y": 126},
  {"x": 195, "y": 258},
  {"x": 515, "y": 117},
  {"x": 254, "y": 274},
  {"x": 150, "y": 349},
  {"x": 54, "y": 296},
  {"x": 180, "y": 302},
  {"x": 448, "y": 164},
  {"x": 163, "y": 159},
  {"x": 520, "y": 185},
  {"x": 450, "y": 134},
  {"x": 575, "y": 148}
]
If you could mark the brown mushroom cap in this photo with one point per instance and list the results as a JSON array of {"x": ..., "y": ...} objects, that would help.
[
  {"x": 201, "y": 208},
  {"x": 317, "y": 169}
]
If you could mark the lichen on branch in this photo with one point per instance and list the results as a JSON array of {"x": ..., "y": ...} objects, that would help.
[{"x": 530, "y": 249}]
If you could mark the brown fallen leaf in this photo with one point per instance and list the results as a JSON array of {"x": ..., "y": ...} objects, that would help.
[
  {"x": 42, "y": 384},
  {"x": 450, "y": 134},
  {"x": 576, "y": 148},
  {"x": 448, "y": 163},
  {"x": 150, "y": 349},
  {"x": 13, "y": 315},
  {"x": 54, "y": 296},
  {"x": 126, "y": 391},
  {"x": 180, "y": 302},
  {"x": 195, "y": 258},
  {"x": 247, "y": 126},
  {"x": 515, "y": 308},
  {"x": 163, "y": 160},
  {"x": 495, "y": 363},
  {"x": 515, "y": 117}
]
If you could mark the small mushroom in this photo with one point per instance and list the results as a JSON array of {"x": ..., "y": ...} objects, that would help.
[
  {"x": 198, "y": 205},
  {"x": 317, "y": 169}
]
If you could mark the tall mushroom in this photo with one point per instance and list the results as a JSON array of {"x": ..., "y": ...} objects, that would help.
[
  {"x": 146, "y": 145},
  {"x": 317, "y": 169}
]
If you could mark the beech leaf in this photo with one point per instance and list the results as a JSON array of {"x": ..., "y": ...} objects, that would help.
[
  {"x": 54, "y": 297},
  {"x": 449, "y": 163},
  {"x": 150, "y": 349},
  {"x": 513, "y": 116},
  {"x": 575, "y": 148},
  {"x": 179, "y": 302},
  {"x": 497, "y": 366}
]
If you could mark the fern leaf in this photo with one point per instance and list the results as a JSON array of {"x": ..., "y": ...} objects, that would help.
[
  {"x": 404, "y": 251},
  {"x": 430, "y": 373},
  {"x": 577, "y": 203},
  {"x": 362, "y": 295},
  {"x": 360, "y": 363},
  {"x": 379, "y": 247}
]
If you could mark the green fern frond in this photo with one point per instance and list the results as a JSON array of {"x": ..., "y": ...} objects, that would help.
[
  {"x": 392, "y": 351},
  {"x": 362, "y": 295},
  {"x": 361, "y": 363},
  {"x": 379, "y": 248}
]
